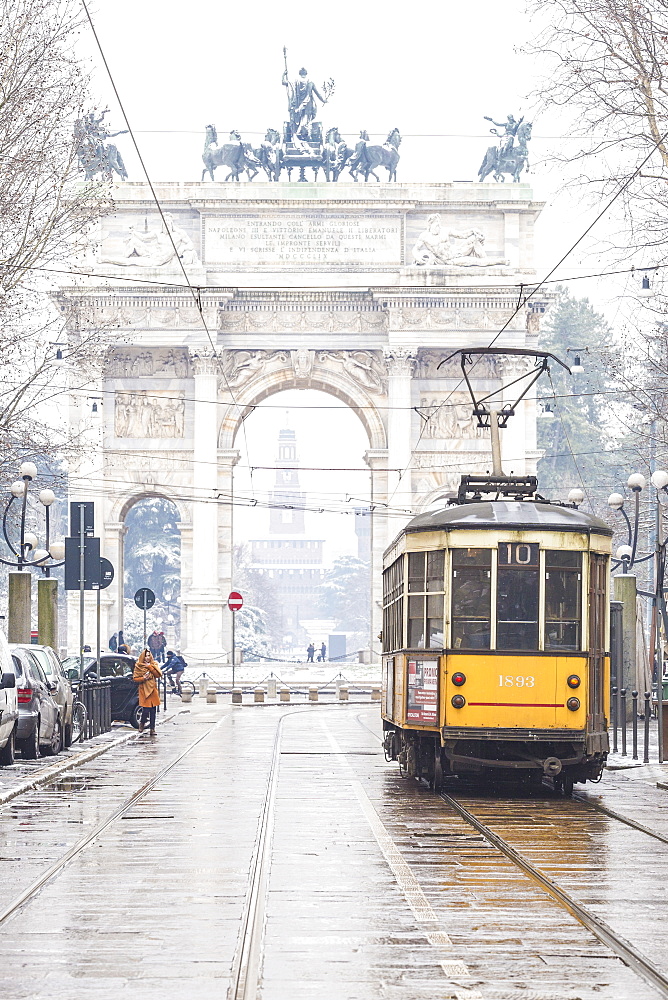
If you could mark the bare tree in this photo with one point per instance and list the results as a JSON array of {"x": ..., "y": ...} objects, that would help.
[
  {"x": 46, "y": 212},
  {"x": 606, "y": 75}
]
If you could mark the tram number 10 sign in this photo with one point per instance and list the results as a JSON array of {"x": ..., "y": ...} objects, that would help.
[{"x": 518, "y": 554}]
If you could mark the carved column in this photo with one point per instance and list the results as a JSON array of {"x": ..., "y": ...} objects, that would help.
[
  {"x": 514, "y": 437},
  {"x": 400, "y": 364},
  {"x": 202, "y": 603},
  {"x": 227, "y": 459},
  {"x": 113, "y": 548},
  {"x": 382, "y": 532}
]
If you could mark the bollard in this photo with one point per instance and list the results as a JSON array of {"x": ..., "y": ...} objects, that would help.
[
  {"x": 271, "y": 687},
  {"x": 186, "y": 695},
  {"x": 313, "y": 693},
  {"x": 647, "y": 715},
  {"x": 622, "y": 700},
  {"x": 343, "y": 692},
  {"x": 236, "y": 696},
  {"x": 285, "y": 694},
  {"x": 614, "y": 713},
  {"x": 258, "y": 695},
  {"x": 211, "y": 695},
  {"x": 634, "y": 696},
  {"x": 203, "y": 684},
  {"x": 375, "y": 692}
]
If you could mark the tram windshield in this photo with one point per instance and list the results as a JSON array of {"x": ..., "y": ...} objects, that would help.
[
  {"x": 471, "y": 598},
  {"x": 563, "y": 599}
]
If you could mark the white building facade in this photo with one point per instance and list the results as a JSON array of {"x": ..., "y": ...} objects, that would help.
[{"x": 358, "y": 290}]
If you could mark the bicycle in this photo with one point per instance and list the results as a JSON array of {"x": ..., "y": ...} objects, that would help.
[{"x": 79, "y": 720}]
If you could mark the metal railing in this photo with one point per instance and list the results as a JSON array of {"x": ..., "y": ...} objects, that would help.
[{"x": 96, "y": 696}]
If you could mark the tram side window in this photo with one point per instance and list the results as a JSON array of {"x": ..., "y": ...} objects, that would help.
[
  {"x": 563, "y": 600},
  {"x": 425, "y": 600},
  {"x": 471, "y": 598},
  {"x": 393, "y": 605},
  {"x": 517, "y": 596}
]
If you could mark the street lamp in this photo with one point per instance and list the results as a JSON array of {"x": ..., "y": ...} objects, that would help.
[
  {"x": 28, "y": 554},
  {"x": 626, "y": 554}
]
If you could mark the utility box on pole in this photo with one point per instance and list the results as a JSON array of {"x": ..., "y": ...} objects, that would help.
[{"x": 625, "y": 591}]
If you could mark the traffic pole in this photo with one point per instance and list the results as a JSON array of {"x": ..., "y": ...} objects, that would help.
[
  {"x": 233, "y": 649},
  {"x": 82, "y": 573}
]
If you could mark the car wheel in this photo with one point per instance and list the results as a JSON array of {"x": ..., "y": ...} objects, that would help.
[
  {"x": 9, "y": 749},
  {"x": 56, "y": 744},
  {"x": 30, "y": 747},
  {"x": 135, "y": 718}
]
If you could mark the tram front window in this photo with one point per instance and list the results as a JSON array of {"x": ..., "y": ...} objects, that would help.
[
  {"x": 563, "y": 599},
  {"x": 471, "y": 600},
  {"x": 517, "y": 596},
  {"x": 425, "y": 609}
]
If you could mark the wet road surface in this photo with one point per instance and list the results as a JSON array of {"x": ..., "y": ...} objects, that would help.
[{"x": 376, "y": 890}]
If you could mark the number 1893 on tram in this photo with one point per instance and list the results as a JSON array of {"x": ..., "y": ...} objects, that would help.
[{"x": 495, "y": 640}]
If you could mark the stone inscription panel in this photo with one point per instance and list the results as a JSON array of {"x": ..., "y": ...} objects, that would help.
[{"x": 300, "y": 239}]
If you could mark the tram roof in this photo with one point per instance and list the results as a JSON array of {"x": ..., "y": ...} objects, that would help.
[{"x": 512, "y": 514}]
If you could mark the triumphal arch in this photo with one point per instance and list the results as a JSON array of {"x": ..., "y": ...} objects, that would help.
[{"x": 214, "y": 295}]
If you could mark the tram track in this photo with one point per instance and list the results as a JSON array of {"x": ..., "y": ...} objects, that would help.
[
  {"x": 618, "y": 944},
  {"x": 57, "y": 866}
]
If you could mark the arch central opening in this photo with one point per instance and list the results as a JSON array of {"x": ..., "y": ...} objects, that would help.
[{"x": 302, "y": 529}]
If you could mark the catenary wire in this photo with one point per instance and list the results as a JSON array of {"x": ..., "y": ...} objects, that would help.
[
  {"x": 194, "y": 292},
  {"x": 522, "y": 301}
]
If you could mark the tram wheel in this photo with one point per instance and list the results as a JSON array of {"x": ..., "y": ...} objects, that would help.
[
  {"x": 567, "y": 786},
  {"x": 411, "y": 760},
  {"x": 437, "y": 781}
]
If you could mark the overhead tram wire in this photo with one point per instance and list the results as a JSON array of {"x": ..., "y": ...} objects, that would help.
[
  {"x": 522, "y": 300},
  {"x": 194, "y": 292},
  {"x": 263, "y": 288}
]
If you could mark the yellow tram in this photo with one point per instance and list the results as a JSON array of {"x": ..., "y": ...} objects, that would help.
[{"x": 495, "y": 638}]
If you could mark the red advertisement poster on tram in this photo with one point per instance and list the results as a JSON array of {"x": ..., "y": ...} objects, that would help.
[{"x": 422, "y": 695}]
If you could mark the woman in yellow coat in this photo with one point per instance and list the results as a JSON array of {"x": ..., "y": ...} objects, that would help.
[{"x": 146, "y": 674}]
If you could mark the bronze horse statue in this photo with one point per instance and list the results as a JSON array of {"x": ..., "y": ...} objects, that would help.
[
  {"x": 367, "y": 157},
  {"x": 335, "y": 154},
  {"x": 235, "y": 154},
  {"x": 270, "y": 154},
  {"x": 512, "y": 162}
]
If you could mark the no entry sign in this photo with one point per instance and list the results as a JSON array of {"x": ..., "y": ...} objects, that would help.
[{"x": 235, "y": 601}]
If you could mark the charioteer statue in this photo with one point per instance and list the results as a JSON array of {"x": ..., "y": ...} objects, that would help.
[
  {"x": 90, "y": 133},
  {"x": 304, "y": 143},
  {"x": 511, "y": 155}
]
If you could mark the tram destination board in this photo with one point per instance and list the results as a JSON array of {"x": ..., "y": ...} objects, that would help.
[{"x": 422, "y": 699}]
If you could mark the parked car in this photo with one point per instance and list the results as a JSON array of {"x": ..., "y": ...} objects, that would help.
[
  {"x": 40, "y": 726},
  {"x": 124, "y": 692},
  {"x": 9, "y": 708},
  {"x": 59, "y": 685}
]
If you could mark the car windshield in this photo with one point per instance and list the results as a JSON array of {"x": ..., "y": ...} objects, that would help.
[
  {"x": 72, "y": 662},
  {"x": 44, "y": 661}
]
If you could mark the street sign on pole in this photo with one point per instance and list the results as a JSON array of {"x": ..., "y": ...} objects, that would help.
[
  {"x": 144, "y": 599},
  {"x": 235, "y": 602},
  {"x": 86, "y": 557},
  {"x": 77, "y": 508},
  {"x": 106, "y": 577}
]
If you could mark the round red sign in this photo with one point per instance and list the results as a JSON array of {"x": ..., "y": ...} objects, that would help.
[{"x": 235, "y": 601}]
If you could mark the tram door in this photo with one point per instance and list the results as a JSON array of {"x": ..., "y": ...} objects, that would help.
[{"x": 598, "y": 568}]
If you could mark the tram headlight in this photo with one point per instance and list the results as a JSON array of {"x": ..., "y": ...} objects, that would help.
[
  {"x": 573, "y": 681},
  {"x": 458, "y": 701},
  {"x": 458, "y": 679},
  {"x": 573, "y": 704}
]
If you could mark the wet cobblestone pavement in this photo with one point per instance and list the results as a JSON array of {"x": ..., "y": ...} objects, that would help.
[{"x": 374, "y": 889}]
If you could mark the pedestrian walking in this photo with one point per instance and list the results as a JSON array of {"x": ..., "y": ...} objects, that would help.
[
  {"x": 156, "y": 644},
  {"x": 113, "y": 642},
  {"x": 323, "y": 652},
  {"x": 146, "y": 674},
  {"x": 173, "y": 669},
  {"x": 124, "y": 648},
  {"x": 310, "y": 650}
]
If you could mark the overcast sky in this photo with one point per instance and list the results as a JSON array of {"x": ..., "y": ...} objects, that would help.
[{"x": 432, "y": 69}]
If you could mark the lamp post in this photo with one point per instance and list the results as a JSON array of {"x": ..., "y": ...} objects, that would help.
[
  {"x": 627, "y": 555},
  {"x": 28, "y": 555}
]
